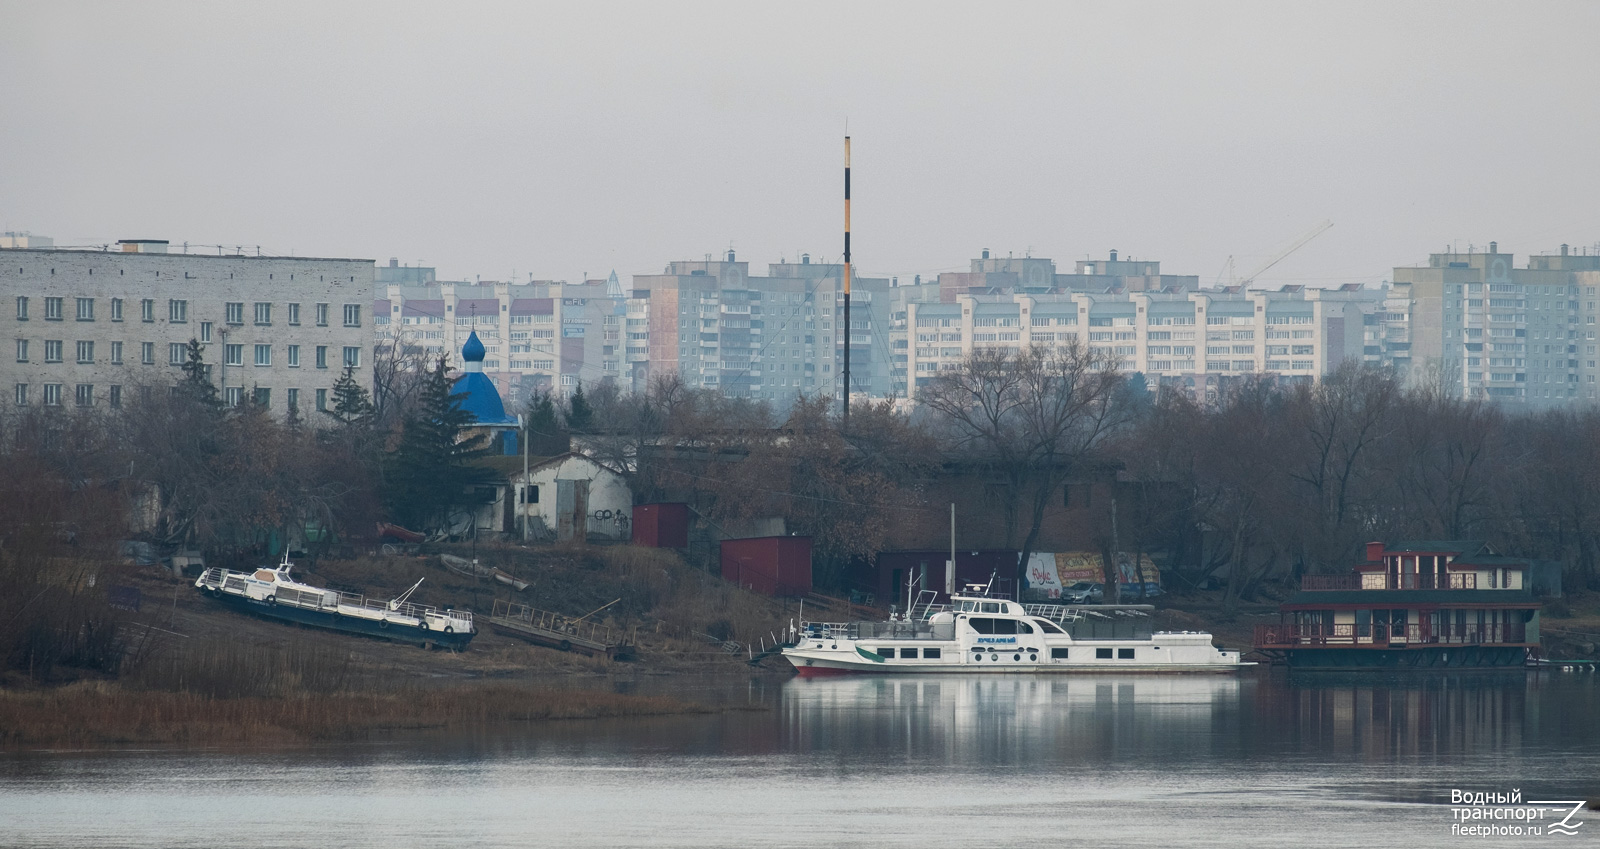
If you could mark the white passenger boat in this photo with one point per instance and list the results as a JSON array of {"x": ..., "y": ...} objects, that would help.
[
  {"x": 977, "y": 633},
  {"x": 273, "y": 593}
]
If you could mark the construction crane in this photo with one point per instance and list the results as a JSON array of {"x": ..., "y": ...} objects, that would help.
[{"x": 1277, "y": 258}]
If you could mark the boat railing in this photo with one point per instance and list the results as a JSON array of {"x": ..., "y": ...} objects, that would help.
[
  {"x": 1059, "y": 613},
  {"x": 829, "y": 630},
  {"x": 404, "y": 608},
  {"x": 1290, "y": 635}
]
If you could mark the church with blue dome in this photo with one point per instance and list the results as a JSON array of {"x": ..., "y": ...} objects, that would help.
[{"x": 482, "y": 398}]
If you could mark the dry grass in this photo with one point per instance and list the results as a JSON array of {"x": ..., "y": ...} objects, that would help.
[{"x": 94, "y": 714}]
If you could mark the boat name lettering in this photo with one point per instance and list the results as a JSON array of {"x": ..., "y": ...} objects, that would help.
[{"x": 997, "y": 639}]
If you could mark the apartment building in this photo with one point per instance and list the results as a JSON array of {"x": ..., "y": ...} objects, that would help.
[
  {"x": 1196, "y": 341},
  {"x": 1474, "y": 323},
  {"x": 770, "y": 337},
  {"x": 90, "y": 327},
  {"x": 544, "y": 335}
]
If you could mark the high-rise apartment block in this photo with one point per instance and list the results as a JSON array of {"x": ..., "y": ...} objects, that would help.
[
  {"x": 537, "y": 336},
  {"x": 1476, "y": 325},
  {"x": 91, "y": 327}
]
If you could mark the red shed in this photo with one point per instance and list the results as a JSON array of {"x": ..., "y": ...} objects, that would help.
[
  {"x": 663, "y": 525},
  {"x": 776, "y": 566}
]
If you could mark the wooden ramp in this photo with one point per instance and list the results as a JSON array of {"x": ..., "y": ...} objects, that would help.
[{"x": 557, "y": 631}]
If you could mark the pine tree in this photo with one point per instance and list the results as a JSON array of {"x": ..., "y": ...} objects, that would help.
[
  {"x": 431, "y": 471},
  {"x": 197, "y": 376},
  {"x": 545, "y": 435},
  {"x": 580, "y": 416},
  {"x": 352, "y": 406}
]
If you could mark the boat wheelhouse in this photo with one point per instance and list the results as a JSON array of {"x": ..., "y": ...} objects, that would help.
[
  {"x": 981, "y": 633},
  {"x": 1428, "y": 604},
  {"x": 275, "y": 594}
]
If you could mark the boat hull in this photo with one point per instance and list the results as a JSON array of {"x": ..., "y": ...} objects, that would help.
[
  {"x": 332, "y": 621},
  {"x": 815, "y": 664}
]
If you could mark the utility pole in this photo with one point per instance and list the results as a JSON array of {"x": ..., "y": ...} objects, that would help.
[
  {"x": 522, "y": 497},
  {"x": 845, "y": 425}
]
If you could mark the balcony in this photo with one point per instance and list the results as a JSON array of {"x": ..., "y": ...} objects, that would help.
[
  {"x": 1376, "y": 581},
  {"x": 1386, "y": 636}
]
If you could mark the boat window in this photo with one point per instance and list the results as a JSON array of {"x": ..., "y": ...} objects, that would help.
[
  {"x": 1102, "y": 654},
  {"x": 930, "y": 654},
  {"x": 1048, "y": 627},
  {"x": 886, "y": 653},
  {"x": 909, "y": 653},
  {"x": 1125, "y": 654},
  {"x": 985, "y": 625},
  {"x": 966, "y": 606},
  {"x": 991, "y": 607},
  {"x": 1059, "y": 654}
]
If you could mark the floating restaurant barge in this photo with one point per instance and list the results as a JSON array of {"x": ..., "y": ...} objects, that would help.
[
  {"x": 982, "y": 634},
  {"x": 274, "y": 594},
  {"x": 1419, "y": 605}
]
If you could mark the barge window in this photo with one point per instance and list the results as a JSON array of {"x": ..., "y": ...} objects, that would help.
[
  {"x": 930, "y": 654},
  {"x": 886, "y": 653},
  {"x": 1102, "y": 654},
  {"x": 1125, "y": 654},
  {"x": 1059, "y": 654},
  {"x": 1048, "y": 627}
]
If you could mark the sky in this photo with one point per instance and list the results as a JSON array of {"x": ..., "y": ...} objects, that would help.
[{"x": 499, "y": 140}]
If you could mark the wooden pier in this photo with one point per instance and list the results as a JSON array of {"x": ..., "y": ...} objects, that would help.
[{"x": 557, "y": 631}]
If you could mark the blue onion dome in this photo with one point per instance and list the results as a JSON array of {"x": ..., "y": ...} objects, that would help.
[{"x": 473, "y": 351}]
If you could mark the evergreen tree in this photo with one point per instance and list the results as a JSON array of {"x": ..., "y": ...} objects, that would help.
[
  {"x": 545, "y": 435},
  {"x": 580, "y": 416},
  {"x": 197, "y": 376},
  {"x": 431, "y": 471},
  {"x": 352, "y": 405}
]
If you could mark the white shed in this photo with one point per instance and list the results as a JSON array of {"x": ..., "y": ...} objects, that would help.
[{"x": 572, "y": 497}]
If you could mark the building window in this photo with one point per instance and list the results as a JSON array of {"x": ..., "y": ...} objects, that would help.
[
  {"x": 322, "y": 358},
  {"x": 234, "y": 312},
  {"x": 52, "y": 394},
  {"x": 322, "y": 399},
  {"x": 205, "y": 331},
  {"x": 262, "y": 398},
  {"x": 263, "y": 355},
  {"x": 177, "y": 311},
  {"x": 530, "y": 495},
  {"x": 52, "y": 309},
  {"x": 22, "y": 350},
  {"x": 233, "y": 355},
  {"x": 177, "y": 353},
  {"x": 352, "y": 357},
  {"x": 85, "y": 352},
  {"x": 22, "y": 395},
  {"x": 352, "y": 315},
  {"x": 293, "y": 397},
  {"x": 84, "y": 395},
  {"x": 52, "y": 350},
  {"x": 294, "y": 359},
  {"x": 264, "y": 314},
  {"x": 22, "y": 308},
  {"x": 114, "y": 398},
  {"x": 294, "y": 314},
  {"x": 116, "y": 353},
  {"x": 147, "y": 353},
  {"x": 322, "y": 315},
  {"x": 233, "y": 396},
  {"x": 86, "y": 309},
  {"x": 147, "y": 309},
  {"x": 116, "y": 309}
]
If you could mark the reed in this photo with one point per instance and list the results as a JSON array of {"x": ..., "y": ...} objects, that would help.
[{"x": 101, "y": 714}]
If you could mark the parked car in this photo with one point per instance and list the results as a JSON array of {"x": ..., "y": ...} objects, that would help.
[{"x": 1084, "y": 592}]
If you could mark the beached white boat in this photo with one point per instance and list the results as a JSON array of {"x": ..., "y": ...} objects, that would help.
[
  {"x": 275, "y": 594},
  {"x": 977, "y": 633}
]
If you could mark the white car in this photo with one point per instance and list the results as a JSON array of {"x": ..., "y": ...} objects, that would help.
[{"x": 1084, "y": 592}]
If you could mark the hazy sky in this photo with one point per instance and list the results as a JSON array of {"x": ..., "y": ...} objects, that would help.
[{"x": 573, "y": 137}]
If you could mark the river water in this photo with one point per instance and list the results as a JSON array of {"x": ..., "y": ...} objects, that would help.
[{"x": 1269, "y": 759}]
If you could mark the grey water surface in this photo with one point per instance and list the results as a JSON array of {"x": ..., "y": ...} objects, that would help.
[{"x": 1267, "y": 759}]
